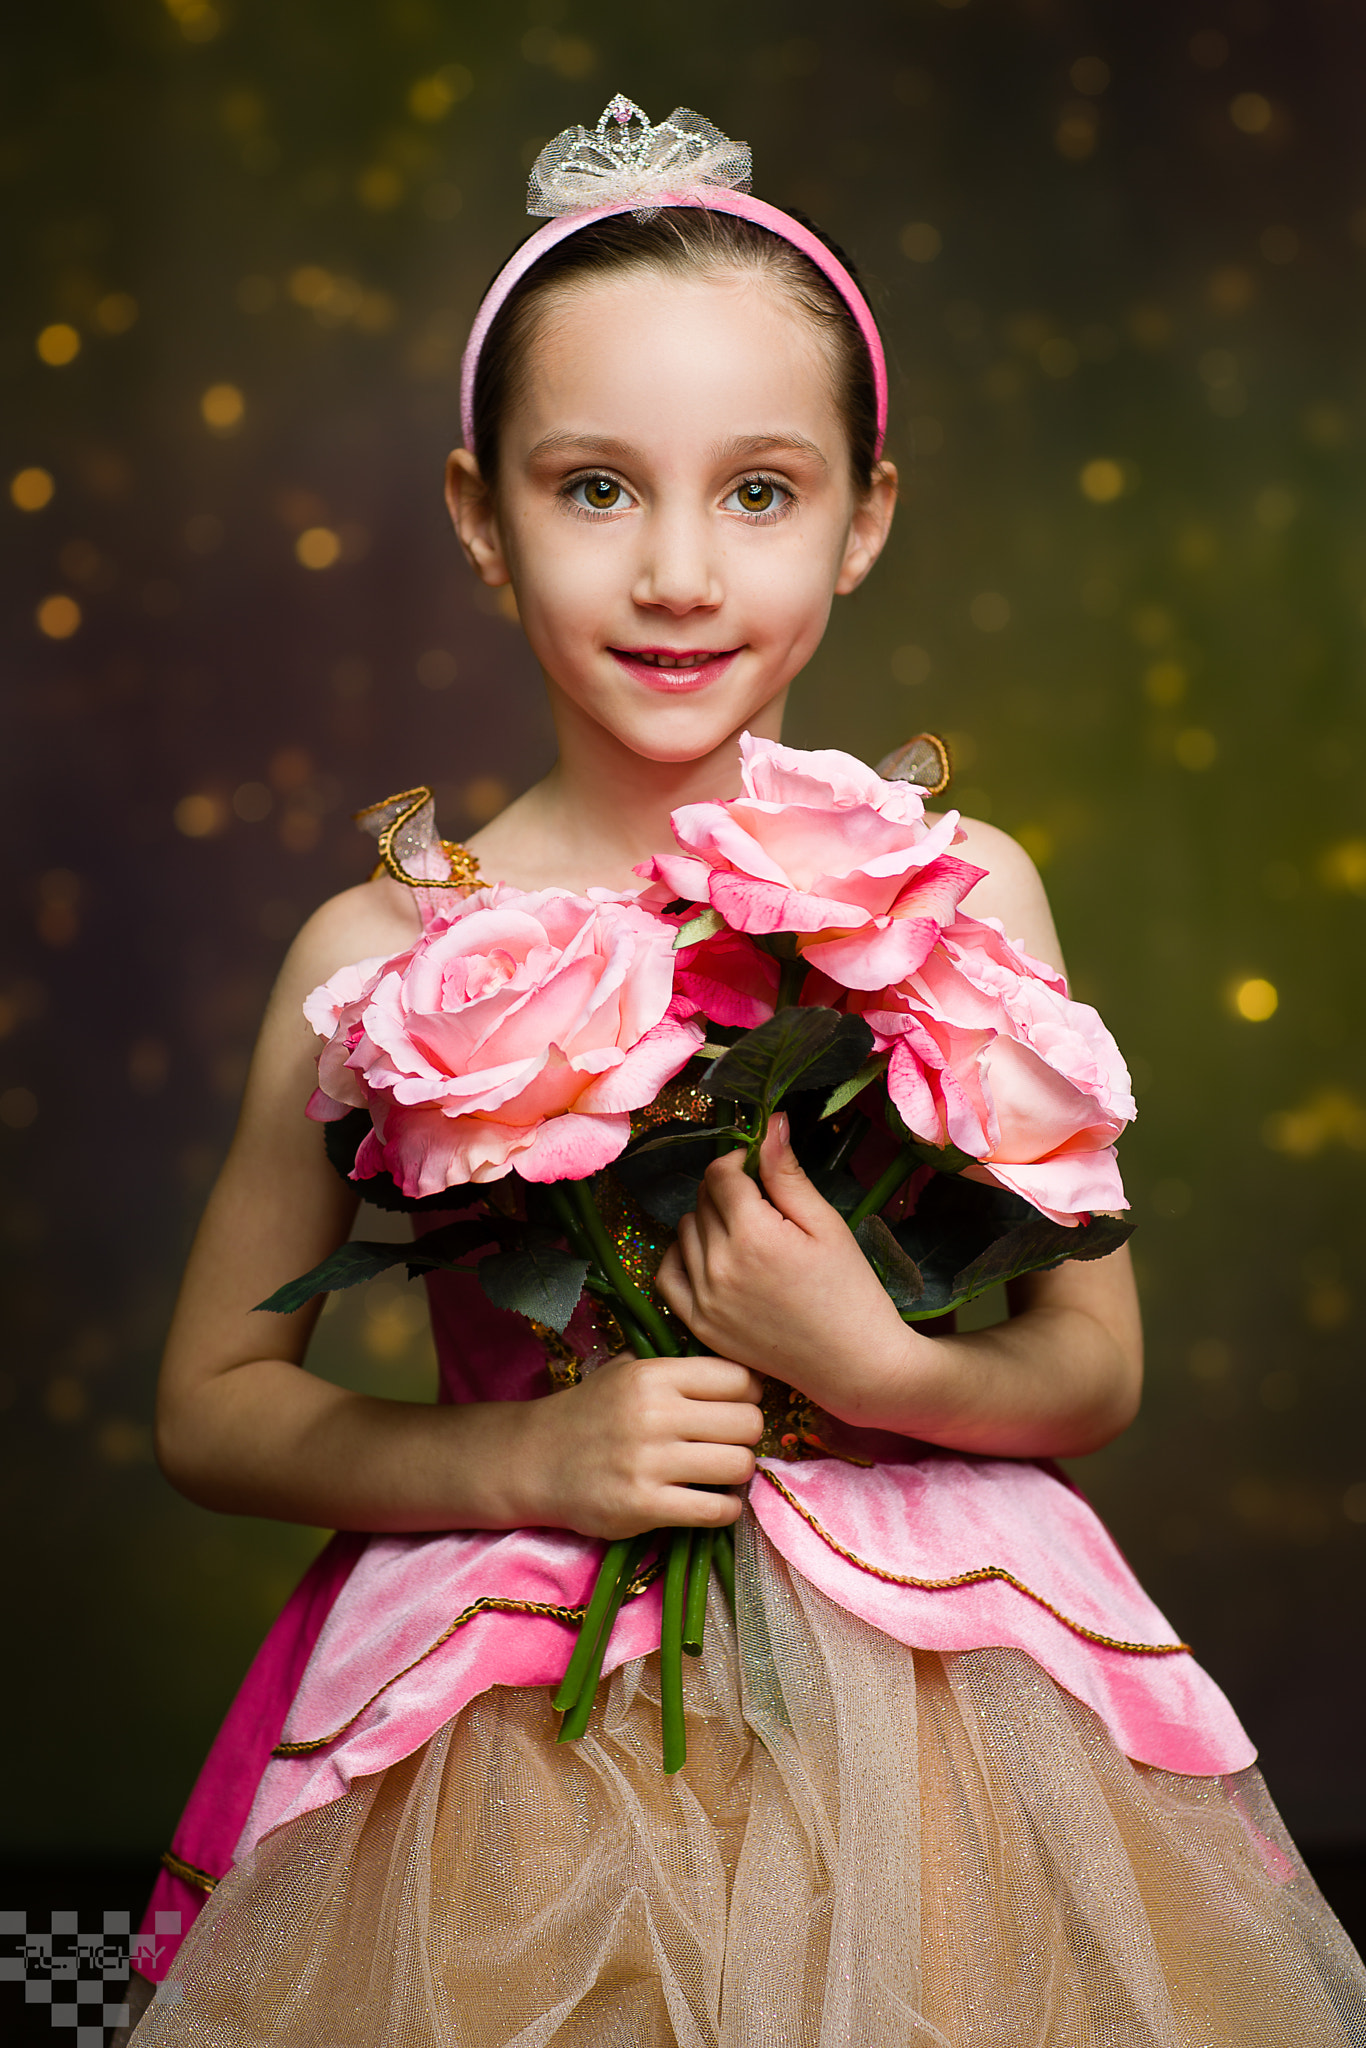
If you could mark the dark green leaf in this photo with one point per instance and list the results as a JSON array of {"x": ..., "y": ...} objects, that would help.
[
  {"x": 967, "y": 1236},
  {"x": 796, "y": 1049},
  {"x": 670, "y": 1141},
  {"x": 836, "y": 1100},
  {"x": 536, "y": 1282},
  {"x": 894, "y": 1267},
  {"x": 345, "y": 1267},
  {"x": 1035, "y": 1245},
  {"x": 665, "y": 1177},
  {"x": 363, "y": 1258}
]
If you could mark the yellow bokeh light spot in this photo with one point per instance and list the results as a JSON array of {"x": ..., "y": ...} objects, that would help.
[
  {"x": 1196, "y": 749},
  {"x": 1344, "y": 866},
  {"x": 58, "y": 344},
  {"x": 1075, "y": 135},
  {"x": 379, "y": 188},
  {"x": 1102, "y": 481},
  {"x": 58, "y": 617},
  {"x": 431, "y": 99},
  {"x": 1256, "y": 1000},
  {"x": 921, "y": 241},
  {"x": 31, "y": 489},
  {"x": 200, "y": 816},
  {"x": 197, "y": 20},
  {"x": 317, "y": 547},
  {"x": 1250, "y": 113},
  {"x": 1332, "y": 1116},
  {"x": 222, "y": 407},
  {"x": 1165, "y": 684},
  {"x": 116, "y": 312}
]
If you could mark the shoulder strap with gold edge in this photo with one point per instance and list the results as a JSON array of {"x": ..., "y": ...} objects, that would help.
[
  {"x": 923, "y": 760},
  {"x": 410, "y": 847}
]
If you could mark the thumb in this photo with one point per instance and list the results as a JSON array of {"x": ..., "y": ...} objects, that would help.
[{"x": 785, "y": 1181}]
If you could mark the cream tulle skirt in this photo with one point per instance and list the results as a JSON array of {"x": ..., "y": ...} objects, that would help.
[{"x": 869, "y": 1847}]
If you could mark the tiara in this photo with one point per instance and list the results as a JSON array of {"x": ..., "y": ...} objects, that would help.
[{"x": 631, "y": 162}]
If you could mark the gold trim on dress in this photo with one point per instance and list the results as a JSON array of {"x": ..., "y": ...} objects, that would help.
[
  {"x": 972, "y": 1578},
  {"x": 491, "y": 1603},
  {"x": 187, "y": 1872},
  {"x": 406, "y": 809}
]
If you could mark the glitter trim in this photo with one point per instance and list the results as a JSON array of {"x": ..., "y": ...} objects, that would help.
[
  {"x": 972, "y": 1578},
  {"x": 491, "y": 1603}
]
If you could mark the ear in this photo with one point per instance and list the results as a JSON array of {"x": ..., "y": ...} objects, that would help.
[
  {"x": 475, "y": 518},
  {"x": 868, "y": 529}
]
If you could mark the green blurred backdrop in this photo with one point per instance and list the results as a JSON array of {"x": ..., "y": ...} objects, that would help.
[{"x": 1119, "y": 253}]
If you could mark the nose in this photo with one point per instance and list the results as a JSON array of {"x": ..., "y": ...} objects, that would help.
[{"x": 678, "y": 571}]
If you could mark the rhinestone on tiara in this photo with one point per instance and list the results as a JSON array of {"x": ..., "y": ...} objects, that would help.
[{"x": 628, "y": 161}]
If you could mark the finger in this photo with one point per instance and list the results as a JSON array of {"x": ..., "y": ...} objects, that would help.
[
  {"x": 672, "y": 1282},
  {"x": 708, "y": 1465},
  {"x": 687, "y": 1507},
  {"x": 703, "y": 1378},
  {"x": 727, "y": 1193},
  {"x": 785, "y": 1182},
  {"x": 723, "y": 1422}
]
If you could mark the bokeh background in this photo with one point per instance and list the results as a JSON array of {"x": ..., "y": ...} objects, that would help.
[{"x": 1119, "y": 252}]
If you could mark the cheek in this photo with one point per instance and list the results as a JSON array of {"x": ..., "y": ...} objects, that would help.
[{"x": 561, "y": 588}]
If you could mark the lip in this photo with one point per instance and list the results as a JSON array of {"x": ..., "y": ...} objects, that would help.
[{"x": 706, "y": 669}]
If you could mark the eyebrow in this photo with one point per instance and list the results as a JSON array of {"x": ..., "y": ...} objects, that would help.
[{"x": 734, "y": 450}]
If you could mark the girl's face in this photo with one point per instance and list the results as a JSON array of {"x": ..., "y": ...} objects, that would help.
[{"x": 674, "y": 507}]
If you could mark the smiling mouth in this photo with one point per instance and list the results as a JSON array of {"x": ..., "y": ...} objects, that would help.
[{"x": 667, "y": 658}]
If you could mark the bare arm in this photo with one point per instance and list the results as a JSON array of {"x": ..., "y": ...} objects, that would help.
[
  {"x": 782, "y": 1286},
  {"x": 243, "y": 1429}
]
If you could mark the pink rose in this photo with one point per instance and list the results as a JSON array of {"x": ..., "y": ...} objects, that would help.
[
  {"x": 988, "y": 1053},
  {"x": 519, "y": 1035},
  {"x": 821, "y": 847},
  {"x": 727, "y": 979}
]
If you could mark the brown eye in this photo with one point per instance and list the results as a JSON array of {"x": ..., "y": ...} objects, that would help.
[
  {"x": 757, "y": 494},
  {"x": 599, "y": 493}
]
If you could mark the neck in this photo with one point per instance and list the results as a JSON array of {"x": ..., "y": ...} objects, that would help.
[{"x": 603, "y": 807}]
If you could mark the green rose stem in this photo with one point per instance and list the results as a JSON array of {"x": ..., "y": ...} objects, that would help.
[
  {"x": 608, "y": 1595},
  {"x": 699, "y": 1578},
  {"x": 685, "y": 1580},
  {"x": 671, "y": 1650},
  {"x": 641, "y": 1311},
  {"x": 791, "y": 975},
  {"x": 876, "y": 1198}
]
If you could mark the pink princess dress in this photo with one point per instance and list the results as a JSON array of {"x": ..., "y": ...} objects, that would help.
[{"x": 951, "y": 1780}]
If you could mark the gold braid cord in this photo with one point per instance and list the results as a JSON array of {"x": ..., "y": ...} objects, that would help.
[
  {"x": 187, "y": 1872},
  {"x": 972, "y": 1578},
  {"x": 405, "y": 826},
  {"x": 491, "y": 1603}
]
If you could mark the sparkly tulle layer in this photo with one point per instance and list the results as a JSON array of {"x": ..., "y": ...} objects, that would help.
[{"x": 870, "y": 1847}]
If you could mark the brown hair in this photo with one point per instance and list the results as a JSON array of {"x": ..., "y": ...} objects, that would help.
[{"x": 680, "y": 239}]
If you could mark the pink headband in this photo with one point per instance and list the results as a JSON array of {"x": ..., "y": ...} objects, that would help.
[{"x": 651, "y": 192}]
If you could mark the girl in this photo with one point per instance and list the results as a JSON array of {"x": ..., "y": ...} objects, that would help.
[{"x": 950, "y": 1778}]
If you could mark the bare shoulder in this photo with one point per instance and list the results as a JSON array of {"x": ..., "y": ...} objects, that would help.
[
  {"x": 372, "y": 921},
  {"x": 375, "y": 919},
  {"x": 1010, "y": 890}
]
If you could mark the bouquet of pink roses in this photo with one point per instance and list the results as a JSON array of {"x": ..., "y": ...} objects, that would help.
[{"x": 804, "y": 947}]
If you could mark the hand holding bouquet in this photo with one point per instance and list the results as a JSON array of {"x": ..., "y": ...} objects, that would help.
[{"x": 805, "y": 949}]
